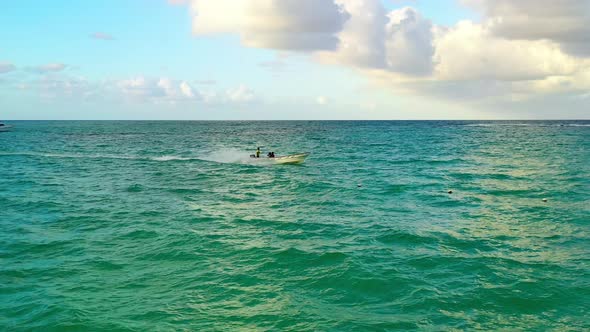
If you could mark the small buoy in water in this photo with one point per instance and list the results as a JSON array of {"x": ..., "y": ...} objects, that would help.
[
  {"x": 450, "y": 191},
  {"x": 359, "y": 185},
  {"x": 544, "y": 199}
]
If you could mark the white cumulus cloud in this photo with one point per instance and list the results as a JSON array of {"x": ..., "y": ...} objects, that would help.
[
  {"x": 566, "y": 22},
  {"x": 409, "y": 43},
  {"x": 471, "y": 51},
  {"x": 301, "y": 25},
  {"x": 399, "y": 41},
  {"x": 362, "y": 41}
]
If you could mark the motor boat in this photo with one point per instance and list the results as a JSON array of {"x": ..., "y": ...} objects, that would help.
[
  {"x": 291, "y": 159},
  {"x": 298, "y": 158},
  {"x": 4, "y": 127}
]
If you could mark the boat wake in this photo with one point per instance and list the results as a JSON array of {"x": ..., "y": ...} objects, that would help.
[
  {"x": 172, "y": 158},
  {"x": 97, "y": 156},
  {"x": 234, "y": 156},
  {"x": 225, "y": 156}
]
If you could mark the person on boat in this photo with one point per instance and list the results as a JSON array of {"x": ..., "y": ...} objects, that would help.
[{"x": 258, "y": 152}]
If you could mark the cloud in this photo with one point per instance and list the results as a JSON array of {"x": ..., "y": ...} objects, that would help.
[
  {"x": 187, "y": 90},
  {"x": 48, "y": 68},
  {"x": 360, "y": 33},
  {"x": 6, "y": 67},
  {"x": 565, "y": 22},
  {"x": 240, "y": 94},
  {"x": 399, "y": 41},
  {"x": 59, "y": 86},
  {"x": 142, "y": 89},
  {"x": 163, "y": 89},
  {"x": 468, "y": 61},
  {"x": 362, "y": 41},
  {"x": 298, "y": 25},
  {"x": 409, "y": 43},
  {"x": 470, "y": 51},
  {"x": 101, "y": 36},
  {"x": 54, "y": 87},
  {"x": 520, "y": 49}
]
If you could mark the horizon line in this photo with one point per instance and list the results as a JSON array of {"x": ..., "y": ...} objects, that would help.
[{"x": 308, "y": 120}]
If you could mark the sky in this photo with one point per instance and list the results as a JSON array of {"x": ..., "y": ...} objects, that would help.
[{"x": 294, "y": 59}]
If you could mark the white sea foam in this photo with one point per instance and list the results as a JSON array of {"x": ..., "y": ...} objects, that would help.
[
  {"x": 60, "y": 155},
  {"x": 234, "y": 156},
  {"x": 171, "y": 158},
  {"x": 94, "y": 156}
]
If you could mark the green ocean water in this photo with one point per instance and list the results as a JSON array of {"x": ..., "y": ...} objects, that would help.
[{"x": 137, "y": 226}]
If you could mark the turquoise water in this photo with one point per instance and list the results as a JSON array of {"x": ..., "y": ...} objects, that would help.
[{"x": 169, "y": 226}]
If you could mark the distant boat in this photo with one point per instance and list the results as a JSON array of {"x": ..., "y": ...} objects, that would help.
[{"x": 4, "y": 127}]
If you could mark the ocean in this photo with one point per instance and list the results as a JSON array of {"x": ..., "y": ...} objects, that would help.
[{"x": 388, "y": 225}]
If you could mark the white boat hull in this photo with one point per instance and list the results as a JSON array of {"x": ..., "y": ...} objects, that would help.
[
  {"x": 298, "y": 158},
  {"x": 291, "y": 159}
]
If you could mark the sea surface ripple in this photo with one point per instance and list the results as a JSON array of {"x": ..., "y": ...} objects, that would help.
[{"x": 135, "y": 226}]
